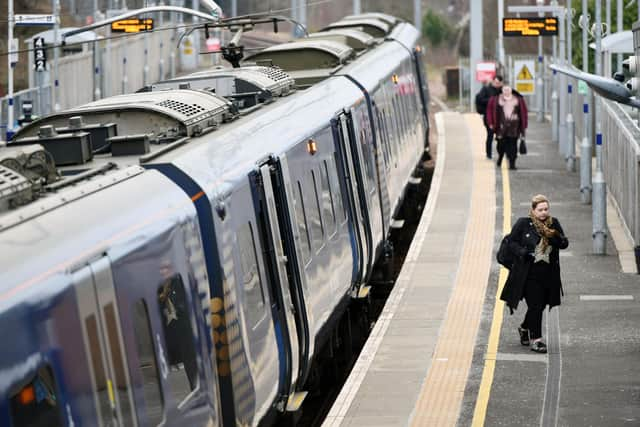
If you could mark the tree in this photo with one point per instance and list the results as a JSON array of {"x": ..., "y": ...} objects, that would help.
[
  {"x": 629, "y": 16},
  {"x": 436, "y": 28}
]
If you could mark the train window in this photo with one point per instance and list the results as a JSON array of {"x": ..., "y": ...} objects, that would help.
[
  {"x": 178, "y": 335},
  {"x": 301, "y": 217},
  {"x": 337, "y": 192},
  {"x": 317, "y": 228},
  {"x": 328, "y": 208},
  {"x": 96, "y": 350},
  {"x": 383, "y": 140},
  {"x": 36, "y": 403},
  {"x": 148, "y": 365},
  {"x": 118, "y": 364},
  {"x": 254, "y": 307},
  {"x": 390, "y": 121},
  {"x": 387, "y": 134}
]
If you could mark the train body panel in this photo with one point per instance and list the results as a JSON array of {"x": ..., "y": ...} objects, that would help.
[
  {"x": 111, "y": 308},
  {"x": 218, "y": 163}
]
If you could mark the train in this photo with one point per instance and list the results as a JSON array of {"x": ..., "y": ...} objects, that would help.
[{"x": 182, "y": 254}]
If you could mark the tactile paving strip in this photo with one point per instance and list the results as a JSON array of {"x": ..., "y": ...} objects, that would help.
[{"x": 442, "y": 392}]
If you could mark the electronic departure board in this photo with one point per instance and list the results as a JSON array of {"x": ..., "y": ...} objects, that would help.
[
  {"x": 529, "y": 27},
  {"x": 132, "y": 25}
]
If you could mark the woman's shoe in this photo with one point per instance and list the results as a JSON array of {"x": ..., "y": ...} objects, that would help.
[
  {"x": 524, "y": 336},
  {"x": 539, "y": 347}
]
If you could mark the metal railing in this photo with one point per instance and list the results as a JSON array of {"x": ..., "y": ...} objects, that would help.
[
  {"x": 40, "y": 98},
  {"x": 621, "y": 163}
]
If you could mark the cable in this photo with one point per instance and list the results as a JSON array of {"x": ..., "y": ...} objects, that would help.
[{"x": 175, "y": 27}]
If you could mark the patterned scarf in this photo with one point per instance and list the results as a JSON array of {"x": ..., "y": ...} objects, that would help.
[{"x": 543, "y": 228}]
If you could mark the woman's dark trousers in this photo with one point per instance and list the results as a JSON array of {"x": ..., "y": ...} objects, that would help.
[
  {"x": 536, "y": 293},
  {"x": 508, "y": 146}
]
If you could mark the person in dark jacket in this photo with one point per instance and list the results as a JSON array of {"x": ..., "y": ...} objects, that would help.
[
  {"x": 507, "y": 117},
  {"x": 482, "y": 100},
  {"x": 535, "y": 275}
]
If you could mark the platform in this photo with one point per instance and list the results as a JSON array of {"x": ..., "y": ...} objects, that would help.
[{"x": 445, "y": 353}]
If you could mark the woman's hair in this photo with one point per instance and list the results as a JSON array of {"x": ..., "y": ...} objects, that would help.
[{"x": 537, "y": 199}]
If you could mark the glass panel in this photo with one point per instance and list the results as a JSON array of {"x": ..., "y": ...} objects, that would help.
[
  {"x": 96, "y": 351},
  {"x": 153, "y": 398},
  {"x": 178, "y": 336},
  {"x": 121, "y": 387},
  {"x": 254, "y": 307},
  {"x": 317, "y": 228},
  {"x": 328, "y": 208},
  {"x": 36, "y": 404},
  {"x": 337, "y": 193},
  {"x": 302, "y": 224}
]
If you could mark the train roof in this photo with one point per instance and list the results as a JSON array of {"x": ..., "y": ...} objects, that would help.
[
  {"x": 374, "y": 27},
  {"x": 180, "y": 120},
  {"x": 356, "y": 40}
]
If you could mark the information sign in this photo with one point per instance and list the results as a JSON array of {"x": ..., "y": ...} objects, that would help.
[
  {"x": 29, "y": 19},
  {"x": 583, "y": 89},
  {"x": 132, "y": 25},
  {"x": 39, "y": 54},
  {"x": 485, "y": 71},
  {"x": 529, "y": 27},
  {"x": 525, "y": 76}
]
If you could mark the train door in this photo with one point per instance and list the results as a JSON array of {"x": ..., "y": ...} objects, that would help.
[
  {"x": 357, "y": 202},
  {"x": 103, "y": 341},
  {"x": 279, "y": 254},
  {"x": 423, "y": 89}
]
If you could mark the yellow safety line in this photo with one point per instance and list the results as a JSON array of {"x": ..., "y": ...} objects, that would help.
[{"x": 480, "y": 412}]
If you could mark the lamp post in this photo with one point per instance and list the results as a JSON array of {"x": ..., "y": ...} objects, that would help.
[
  {"x": 585, "y": 146},
  {"x": 599, "y": 207}
]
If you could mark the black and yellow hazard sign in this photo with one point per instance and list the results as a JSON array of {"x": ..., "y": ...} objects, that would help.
[
  {"x": 524, "y": 74},
  {"x": 530, "y": 27},
  {"x": 132, "y": 25}
]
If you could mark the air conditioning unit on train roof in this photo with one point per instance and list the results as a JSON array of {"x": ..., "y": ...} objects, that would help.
[
  {"x": 161, "y": 116},
  {"x": 357, "y": 40},
  {"x": 247, "y": 86},
  {"x": 389, "y": 19},
  {"x": 307, "y": 60},
  {"x": 373, "y": 27}
]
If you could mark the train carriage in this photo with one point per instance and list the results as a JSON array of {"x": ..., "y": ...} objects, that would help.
[{"x": 195, "y": 259}]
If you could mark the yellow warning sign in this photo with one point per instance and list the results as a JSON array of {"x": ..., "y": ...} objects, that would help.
[
  {"x": 524, "y": 74},
  {"x": 525, "y": 88}
]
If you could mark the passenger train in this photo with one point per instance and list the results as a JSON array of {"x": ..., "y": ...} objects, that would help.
[{"x": 181, "y": 255}]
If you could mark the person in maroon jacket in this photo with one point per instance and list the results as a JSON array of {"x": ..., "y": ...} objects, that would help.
[{"x": 507, "y": 117}]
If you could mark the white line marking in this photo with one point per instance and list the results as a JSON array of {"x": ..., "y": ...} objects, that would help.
[
  {"x": 606, "y": 298},
  {"x": 515, "y": 357},
  {"x": 535, "y": 171}
]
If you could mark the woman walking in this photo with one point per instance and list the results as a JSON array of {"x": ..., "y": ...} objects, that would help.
[
  {"x": 535, "y": 275},
  {"x": 507, "y": 117}
]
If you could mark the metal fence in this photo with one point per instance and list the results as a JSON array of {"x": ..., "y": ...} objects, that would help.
[
  {"x": 40, "y": 98},
  {"x": 621, "y": 163},
  {"x": 120, "y": 68}
]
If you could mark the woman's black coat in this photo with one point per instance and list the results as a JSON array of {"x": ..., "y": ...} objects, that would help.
[{"x": 523, "y": 241}]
